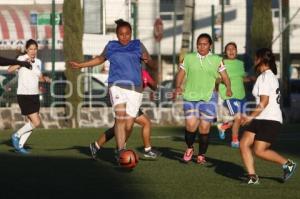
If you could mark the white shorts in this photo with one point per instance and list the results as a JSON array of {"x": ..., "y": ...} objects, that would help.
[{"x": 132, "y": 99}]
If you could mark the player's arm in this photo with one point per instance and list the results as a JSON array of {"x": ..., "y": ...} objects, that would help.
[
  {"x": 225, "y": 79},
  {"x": 13, "y": 68},
  {"x": 5, "y": 62},
  {"x": 152, "y": 84},
  {"x": 90, "y": 63},
  {"x": 43, "y": 78},
  {"x": 263, "y": 102},
  {"x": 146, "y": 58},
  {"x": 179, "y": 80}
]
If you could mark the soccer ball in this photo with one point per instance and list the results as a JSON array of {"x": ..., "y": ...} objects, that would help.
[{"x": 128, "y": 159}]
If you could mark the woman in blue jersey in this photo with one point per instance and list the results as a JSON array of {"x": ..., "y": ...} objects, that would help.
[{"x": 124, "y": 80}]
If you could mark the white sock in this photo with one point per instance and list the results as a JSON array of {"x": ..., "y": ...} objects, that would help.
[
  {"x": 147, "y": 149},
  {"x": 27, "y": 127},
  {"x": 24, "y": 138},
  {"x": 97, "y": 145}
]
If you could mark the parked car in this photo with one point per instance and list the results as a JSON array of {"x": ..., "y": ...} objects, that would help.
[
  {"x": 93, "y": 92},
  {"x": 164, "y": 96}
]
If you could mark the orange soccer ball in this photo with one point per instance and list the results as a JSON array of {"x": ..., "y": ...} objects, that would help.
[{"x": 128, "y": 159}]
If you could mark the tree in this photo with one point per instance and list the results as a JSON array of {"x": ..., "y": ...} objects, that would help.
[
  {"x": 73, "y": 34},
  {"x": 262, "y": 25}
]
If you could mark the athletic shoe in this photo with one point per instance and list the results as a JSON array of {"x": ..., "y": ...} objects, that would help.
[
  {"x": 222, "y": 128},
  {"x": 201, "y": 159},
  {"x": 288, "y": 169},
  {"x": 93, "y": 150},
  {"x": 151, "y": 154},
  {"x": 22, "y": 151},
  {"x": 15, "y": 141},
  {"x": 188, "y": 154},
  {"x": 235, "y": 144},
  {"x": 253, "y": 179}
]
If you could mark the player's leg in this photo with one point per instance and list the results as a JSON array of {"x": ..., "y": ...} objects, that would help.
[
  {"x": 103, "y": 138},
  {"x": 29, "y": 106},
  {"x": 208, "y": 111},
  {"x": 204, "y": 128},
  {"x": 191, "y": 123},
  {"x": 235, "y": 131},
  {"x": 247, "y": 156},
  {"x": 35, "y": 120},
  {"x": 118, "y": 101},
  {"x": 264, "y": 139},
  {"x": 145, "y": 123}
]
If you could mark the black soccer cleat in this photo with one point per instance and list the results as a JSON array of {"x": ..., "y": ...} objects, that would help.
[
  {"x": 93, "y": 150},
  {"x": 253, "y": 179},
  {"x": 288, "y": 170}
]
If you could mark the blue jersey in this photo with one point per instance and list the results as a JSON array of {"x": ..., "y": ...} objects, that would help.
[{"x": 125, "y": 63}]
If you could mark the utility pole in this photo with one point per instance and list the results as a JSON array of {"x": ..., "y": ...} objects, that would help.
[
  {"x": 222, "y": 26},
  {"x": 285, "y": 53},
  {"x": 187, "y": 28},
  {"x": 213, "y": 26},
  {"x": 174, "y": 37},
  {"x": 53, "y": 40}
]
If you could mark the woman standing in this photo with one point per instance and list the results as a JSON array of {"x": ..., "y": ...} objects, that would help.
[
  {"x": 235, "y": 103},
  {"x": 28, "y": 94},
  {"x": 263, "y": 124},
  {"x": 200, "y": 70}
]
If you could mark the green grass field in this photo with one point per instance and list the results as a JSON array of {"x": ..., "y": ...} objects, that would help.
[{"x": 59, "y": 166}]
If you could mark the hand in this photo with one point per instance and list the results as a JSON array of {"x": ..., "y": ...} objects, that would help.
[
  {"x": 178, "y": 91},
  {"x": 228, "y": 92},
  {"x": 75, "y": 65},
  {"x": 47, "y": 79},
  {"x": 145, "y": 57},
  {"x": 246, "y": 120},
  {"x": 25, "y": 64}
]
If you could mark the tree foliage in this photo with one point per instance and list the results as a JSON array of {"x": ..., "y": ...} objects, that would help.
[
  {"x": 262, "y": 25},
  {"x": 73, "y": 34}
]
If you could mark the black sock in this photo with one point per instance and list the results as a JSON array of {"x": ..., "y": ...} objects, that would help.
[
  {"x": 109, "y": 134},
  {"x": 189, "y": 138},
  {"x": 203, "y": 144}
]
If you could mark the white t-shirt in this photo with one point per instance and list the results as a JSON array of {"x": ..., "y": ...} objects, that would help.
[
  {"x": 267, "y": 84},
  {"x": 28, "y": 80}
]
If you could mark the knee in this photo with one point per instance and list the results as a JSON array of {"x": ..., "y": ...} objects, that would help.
[
  {"x": 191, "y": 128},
  {"x": 204, "y": 130},
  {"x": 258, "y": 152}
]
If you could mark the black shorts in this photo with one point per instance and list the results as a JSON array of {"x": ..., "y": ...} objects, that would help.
[
  {"x": 264, "y": 130},
  {"x": 140, "y": 113},
  {"x": 29, "y": 104}
]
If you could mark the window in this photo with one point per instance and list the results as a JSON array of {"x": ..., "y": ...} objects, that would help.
[
  {"x": 275, "y": 8},
  {"x": 168, "y": 7},
  {"x": 93, "y": 13},
  {"x": 226, "y": 2}
]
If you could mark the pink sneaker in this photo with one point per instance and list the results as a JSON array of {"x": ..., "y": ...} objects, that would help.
[
  {"x": 201, "y": 159},
  {"x": 188, "y": 154}
]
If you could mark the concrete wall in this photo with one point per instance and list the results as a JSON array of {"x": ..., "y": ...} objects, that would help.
[{"x": 11, "y": 118}]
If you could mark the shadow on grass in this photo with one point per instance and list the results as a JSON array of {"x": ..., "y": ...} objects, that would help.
[
  {"x": 227, "y": 169},
  {"x": 166, "y": 152},
  {"x": 52, "y": 177}
]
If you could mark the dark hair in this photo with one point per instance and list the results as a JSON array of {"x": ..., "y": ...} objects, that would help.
[
  {"x": 205, "y": 35},
  {"x": 266, "y": 56},
  {"x": 121, "y": 23},
  {"x": 30, "y": 42}
]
